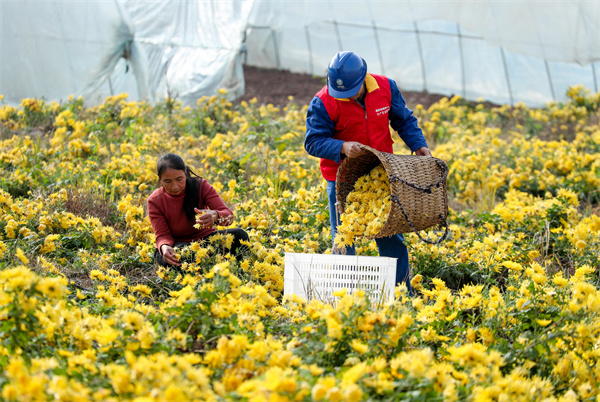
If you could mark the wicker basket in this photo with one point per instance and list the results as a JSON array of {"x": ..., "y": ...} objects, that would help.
[{"x": 417, "y": 186}]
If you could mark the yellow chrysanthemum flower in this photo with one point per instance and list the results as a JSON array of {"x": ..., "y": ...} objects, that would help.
[{"x": 367, "y": 208}]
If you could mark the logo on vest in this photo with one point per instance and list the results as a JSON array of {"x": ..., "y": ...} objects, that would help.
[{"x": 382, "y": 110}]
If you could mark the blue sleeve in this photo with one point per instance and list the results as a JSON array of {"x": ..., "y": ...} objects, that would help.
[
  {"x": 403, "y": 121},
  {"x": 319, "y": 139}
]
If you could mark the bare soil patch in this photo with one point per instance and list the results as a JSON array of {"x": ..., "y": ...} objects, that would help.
[{"x": 276, "y": 86}]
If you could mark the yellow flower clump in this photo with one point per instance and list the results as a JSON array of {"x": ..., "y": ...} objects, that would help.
[
  {"x": 367, "y": 207},
  {"x": 508, "y": 308}
]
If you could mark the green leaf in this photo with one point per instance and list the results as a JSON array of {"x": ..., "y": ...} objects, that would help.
[{"x": 245, "y": 159}]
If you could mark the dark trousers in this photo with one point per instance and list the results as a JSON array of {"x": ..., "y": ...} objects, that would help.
[{"x": 236, "y": 245}]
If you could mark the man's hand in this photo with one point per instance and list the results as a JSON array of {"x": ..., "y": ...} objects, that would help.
[
  {"x": 169, "y": 255},
  {"x": 352, "y": 149},
  {"x": 423, "y": 151}
]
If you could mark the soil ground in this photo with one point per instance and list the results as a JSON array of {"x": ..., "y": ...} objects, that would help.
[{"x": 275, "y": 86}]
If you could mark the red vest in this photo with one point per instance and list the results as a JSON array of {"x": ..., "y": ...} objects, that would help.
[{"x": 352, "y": 122}]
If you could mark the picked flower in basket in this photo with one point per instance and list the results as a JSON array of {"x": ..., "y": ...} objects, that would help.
[{"x": 380, "y": 194}]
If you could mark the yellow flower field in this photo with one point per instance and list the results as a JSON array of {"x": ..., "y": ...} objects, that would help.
[{"x": 506, "y": 309}]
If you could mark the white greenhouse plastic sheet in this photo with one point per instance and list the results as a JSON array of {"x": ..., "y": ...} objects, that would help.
[
  {"x": 500, "y": 51},
  {"x": 150, "y": 50},
  {"x": 53, "y": 49}
]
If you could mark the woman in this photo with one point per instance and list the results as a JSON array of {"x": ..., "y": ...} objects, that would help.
[{"x": 173, "y": 207}]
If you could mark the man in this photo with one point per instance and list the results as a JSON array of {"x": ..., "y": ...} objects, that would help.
[{"x": 356, "y": 108}]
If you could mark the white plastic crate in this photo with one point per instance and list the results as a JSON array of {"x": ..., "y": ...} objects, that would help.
[{"x": 317, "y": 276}]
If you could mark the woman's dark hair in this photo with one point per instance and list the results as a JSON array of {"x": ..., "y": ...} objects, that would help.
[{"x": 191, "y": 198}]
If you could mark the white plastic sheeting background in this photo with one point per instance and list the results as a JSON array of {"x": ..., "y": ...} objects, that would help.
[
  {"x": 501, "y": 51},
  {"x": 149, "y": 49},
  {"x": 53, "y": 49},
  {"x": 191, "y": 47}
]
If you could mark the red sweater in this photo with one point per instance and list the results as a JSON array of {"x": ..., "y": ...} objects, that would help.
[{"x": 169, "y": 223}]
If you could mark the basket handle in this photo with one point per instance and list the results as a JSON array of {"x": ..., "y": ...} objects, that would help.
[
  {"x": 412, "y": 226},
  {"x": 427, "y": 189}
]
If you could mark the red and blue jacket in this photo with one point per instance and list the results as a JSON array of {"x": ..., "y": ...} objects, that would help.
[{"x": 331, "y": 121}]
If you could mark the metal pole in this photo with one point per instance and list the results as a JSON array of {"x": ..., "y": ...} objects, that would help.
[
  {"x": 421, "y": 55},
  {"x": 549, "y": 79},
  {"x": 379, "y": 52},
  {"x": 462, "y": 63},
  {"x": 310, "y": 58},
  {"x": 276, "y": 48},
  {"x": 338, "y": 36},
  {"x": 595, "y": 78},
  {"x": 510, "y": 94}
]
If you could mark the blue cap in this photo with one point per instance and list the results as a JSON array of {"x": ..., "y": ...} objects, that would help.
[{"x": 345, "y": 74}]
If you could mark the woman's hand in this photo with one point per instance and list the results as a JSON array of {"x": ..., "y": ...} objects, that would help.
[
  {"x": 206, "y": 218},
  {"x": 169, "y": 256}
]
